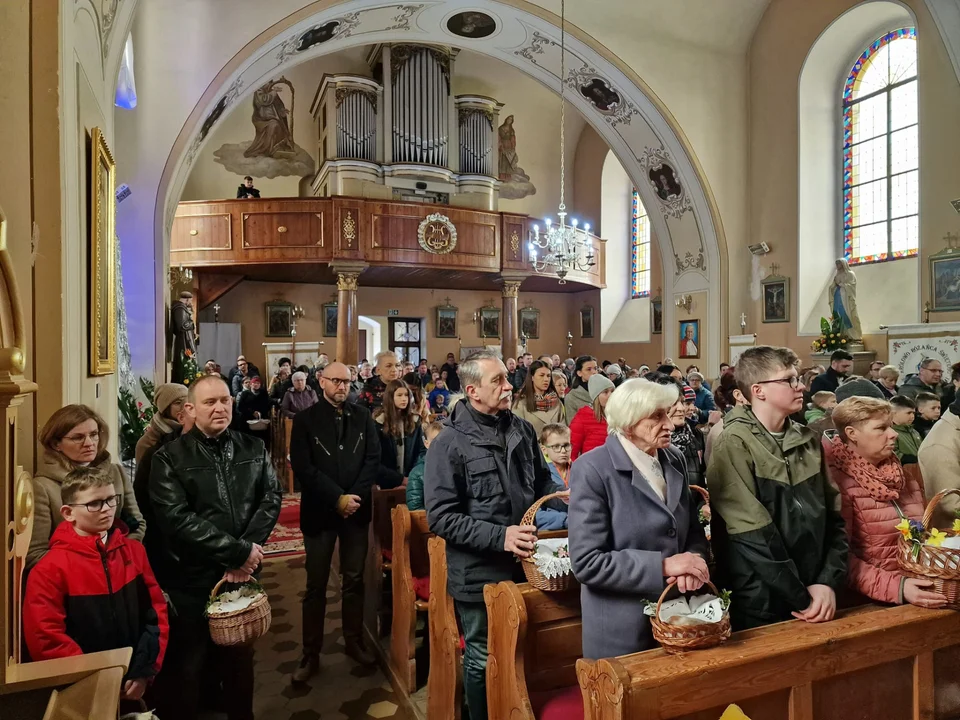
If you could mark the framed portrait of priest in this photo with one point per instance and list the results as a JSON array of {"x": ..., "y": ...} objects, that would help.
[
  {"x": 586, "y": 321},
  {"x": 447, "y": 321},
  {"x": 490, "y": 322}
]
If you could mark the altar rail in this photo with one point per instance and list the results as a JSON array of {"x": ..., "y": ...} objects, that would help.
[
  {"x": 220, "y": 233},
  {"x": 871, "y": 662}
]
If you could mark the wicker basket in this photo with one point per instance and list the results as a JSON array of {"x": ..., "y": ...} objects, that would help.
[
  {"x": 239, "y": 627},
  {"x": 940, "y": 564},
  {"x": 679, "y": 638},
  {"x": 534, "y": 576}
]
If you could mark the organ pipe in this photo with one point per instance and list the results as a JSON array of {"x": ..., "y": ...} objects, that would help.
[
  {"x": 356, "y": 125},
  {"x": 421, "y": 96},
  {"x": 476, "y": 142}
]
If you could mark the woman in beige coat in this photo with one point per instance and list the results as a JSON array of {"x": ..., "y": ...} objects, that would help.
[
  {"x": 538, "y": 402},
  {"x": 75, "y": 436}
]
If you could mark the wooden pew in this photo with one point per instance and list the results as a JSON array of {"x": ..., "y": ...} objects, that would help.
[
  {"x": 534, "y": 641},
  {"x": 445, "y": 680},
  {"x": 410, "y": 574},
  {"x": 377, "y": 610},
  {"x": 870, "y": 662}
]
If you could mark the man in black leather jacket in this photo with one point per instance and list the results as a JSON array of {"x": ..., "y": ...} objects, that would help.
[
  {"x": 481, "y": 476},
  {"x": 216, "y": 499},
  {"x": 335, "y": 455}
]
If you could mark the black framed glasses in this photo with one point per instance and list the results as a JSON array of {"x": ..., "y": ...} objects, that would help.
[
  {"x": 562, "y": 447},
  {"x": 794, "y": 382},
  {"x": 96, "y": 506},
  {"x": 338, "y": 381}
]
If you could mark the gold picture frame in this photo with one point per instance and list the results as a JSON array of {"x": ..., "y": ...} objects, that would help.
[{"x": 103, "y": 257}]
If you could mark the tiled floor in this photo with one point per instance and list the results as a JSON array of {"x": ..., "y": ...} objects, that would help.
[{"x": 342, "y": 690}]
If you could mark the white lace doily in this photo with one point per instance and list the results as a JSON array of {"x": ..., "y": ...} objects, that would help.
[{"x": 549, "y": 565}]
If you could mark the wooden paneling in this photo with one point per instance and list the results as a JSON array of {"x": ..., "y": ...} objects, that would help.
[
  {"x": 281, "y": 230},
  {"x": 515, "y": 248},
  {"x": 947, "y": 696},
  {"x": 890, "y": 693},
  {"x": 208, "y": 231}
]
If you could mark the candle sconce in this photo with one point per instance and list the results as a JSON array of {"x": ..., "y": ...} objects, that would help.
[
  {"x": 685, "y": 302},
  {"x": 569, "y": 343}
]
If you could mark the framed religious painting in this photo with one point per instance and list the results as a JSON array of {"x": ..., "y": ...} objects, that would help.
[
  {"x": 586, "y": 321},
  {"x": 945, "y": 280},
  {"x": 776, "y": 299},
  {"x": 447, "y": 321},
  {"x": 530, "y": 323},
  {"x": 279, "y": 319},
  {"x": 490, "y": 322},
  {"x": 330, "y": 319},
  {"x": 103, "y": 257},
  {"x": 689, "y": 339},
  {"x": 656, "y": 311}
]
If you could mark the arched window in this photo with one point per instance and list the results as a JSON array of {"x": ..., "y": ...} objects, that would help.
[
  {"x": 881, "y": 184},
  {"x": 640, "y": 250}
]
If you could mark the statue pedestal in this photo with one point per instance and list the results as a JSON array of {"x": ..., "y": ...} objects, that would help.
[{"x": 862, "y": 359}]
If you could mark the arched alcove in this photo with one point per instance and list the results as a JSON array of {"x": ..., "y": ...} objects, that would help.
[
  {"x": 820, "y": 180},
  {"x": 372, "y": 328}
]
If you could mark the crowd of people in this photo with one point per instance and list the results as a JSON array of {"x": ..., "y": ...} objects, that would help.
[{"x": 804, "y": 468}]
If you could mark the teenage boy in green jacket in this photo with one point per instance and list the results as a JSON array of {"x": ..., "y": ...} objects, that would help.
[{"x": 778, "y": 535}]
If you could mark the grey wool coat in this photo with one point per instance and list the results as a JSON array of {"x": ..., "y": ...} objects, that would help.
[{"x": 620, "y": 534}]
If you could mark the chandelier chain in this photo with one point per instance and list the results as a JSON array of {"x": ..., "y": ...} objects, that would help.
[{"x": 563, "y": 73}]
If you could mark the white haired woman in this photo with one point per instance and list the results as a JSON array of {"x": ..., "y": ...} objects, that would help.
[
  {"x": 299, "y": 397},
  {"x": 633, "y": 525}
]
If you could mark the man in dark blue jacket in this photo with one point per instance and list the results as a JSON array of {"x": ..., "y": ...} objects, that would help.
[{"x": 484, "y": 472}]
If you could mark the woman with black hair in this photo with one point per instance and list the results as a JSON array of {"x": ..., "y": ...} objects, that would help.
[
  {"x": 538, "y": 402},
  {"x": 401, "y": 435},
  {"x": 579, "y": 395}
]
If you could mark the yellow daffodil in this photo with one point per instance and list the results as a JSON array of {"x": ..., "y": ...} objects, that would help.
[
  {"x": 904, "y": 527},
  {"x": 956, "y": 525},
  {"x": 936, "y": 538}
]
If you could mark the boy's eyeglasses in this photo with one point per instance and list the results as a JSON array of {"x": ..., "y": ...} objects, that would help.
[
  {"x": 562, "y": 447},
  {"x": 794, "y": 382},
  {"x": 96, "y": 506}
]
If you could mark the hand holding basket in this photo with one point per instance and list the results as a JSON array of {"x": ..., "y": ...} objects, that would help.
[{"x": 534, "y": 576}]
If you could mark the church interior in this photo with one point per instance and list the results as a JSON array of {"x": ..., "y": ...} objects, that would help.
[{"x": 189, "y": 182}]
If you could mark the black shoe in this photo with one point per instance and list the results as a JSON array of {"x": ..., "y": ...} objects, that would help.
[
  {"x": 359, "y": 654},
  {"x": 309, "y": 666}
]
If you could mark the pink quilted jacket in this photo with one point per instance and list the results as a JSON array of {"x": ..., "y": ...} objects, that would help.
[{"x": 873, "y": 569}]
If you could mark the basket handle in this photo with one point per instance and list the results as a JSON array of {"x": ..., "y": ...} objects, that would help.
[
  {"x": 703, "y": 493},
  {"x": 932, "y": 505},
  {"x": 531, "y": 512},
  {"x": 216, "y": 588},
  {"x": 670, "y": 585}
]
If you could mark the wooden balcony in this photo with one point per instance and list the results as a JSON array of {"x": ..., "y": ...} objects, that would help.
[{"x": 296, "y": 240}]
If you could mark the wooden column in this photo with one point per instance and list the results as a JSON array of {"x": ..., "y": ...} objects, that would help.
[
  {"x": 348, "y": 330},
  {"x": 510, "y": 332}
]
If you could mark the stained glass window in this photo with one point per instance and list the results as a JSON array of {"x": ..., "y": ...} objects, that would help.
[
  {"x": 881, "y": 184},
  {"x": 640, "y": 250}
]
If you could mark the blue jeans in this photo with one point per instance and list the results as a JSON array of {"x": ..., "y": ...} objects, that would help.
[{"x": 473, "y": 620}]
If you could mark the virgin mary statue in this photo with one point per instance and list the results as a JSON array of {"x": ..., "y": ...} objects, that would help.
[{"x": 843, "y": 299}]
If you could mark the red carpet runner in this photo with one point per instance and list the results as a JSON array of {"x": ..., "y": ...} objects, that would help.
[{"x": 286, "y": 538}]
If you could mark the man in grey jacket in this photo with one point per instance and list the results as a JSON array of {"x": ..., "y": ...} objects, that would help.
[
  {"x": 481, "y": 475},
  {"x": 928, "y": 378}
]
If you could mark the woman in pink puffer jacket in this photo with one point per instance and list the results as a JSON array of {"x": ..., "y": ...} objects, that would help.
[{"x": 872, "y": 487}]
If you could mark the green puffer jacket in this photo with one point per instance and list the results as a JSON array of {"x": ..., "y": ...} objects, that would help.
[
  {"x": 776, "y": 525},
  {"x": 415, "y": 485}
]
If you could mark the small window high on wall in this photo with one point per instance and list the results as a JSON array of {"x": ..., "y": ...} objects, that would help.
[
  {"x": 881, "y": 184},
  {"x": 640, "y": 250}
]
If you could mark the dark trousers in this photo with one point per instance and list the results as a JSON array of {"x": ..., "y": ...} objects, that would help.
[
  {"x": 473, "y": 620},
  {"x": 353, "y": 556},
  {"x": 179, "y": 685}
]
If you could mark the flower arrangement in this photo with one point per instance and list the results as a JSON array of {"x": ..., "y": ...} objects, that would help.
[
  {"x": 188, "y": 367},
  {"x": 914, "y": 532},
  {"x": 832, "y": 335},
  {"x": 134, "y": 418}
]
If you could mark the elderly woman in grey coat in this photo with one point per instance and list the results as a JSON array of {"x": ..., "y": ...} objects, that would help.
[
  {"x": 633, "y": 526},
  {"x": 299, "y": 397}
]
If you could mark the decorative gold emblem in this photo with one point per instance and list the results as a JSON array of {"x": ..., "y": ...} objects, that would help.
[
  {"x": 347, "y": 281},
  {"x": 437, "y": 234},
  {"x": 349, "y": 229},
  {"x": 515, "y": 244}
]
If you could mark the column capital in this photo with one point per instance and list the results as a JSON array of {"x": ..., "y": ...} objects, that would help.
[
  {"x": 348, "y": 274},
  {"x": 511, "y": 288}
]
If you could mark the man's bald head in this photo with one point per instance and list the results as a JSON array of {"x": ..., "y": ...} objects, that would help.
[{"x": 335, "y": 383}]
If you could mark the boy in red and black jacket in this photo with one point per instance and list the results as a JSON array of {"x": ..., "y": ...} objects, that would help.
[{"x": 94, "y": 590}]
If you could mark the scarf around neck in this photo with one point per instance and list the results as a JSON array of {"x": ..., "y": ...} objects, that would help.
[
  {"x": 883, "y": 482},
  {"x": 546, "y": 402},
  {"x": 163, "y": 425}
]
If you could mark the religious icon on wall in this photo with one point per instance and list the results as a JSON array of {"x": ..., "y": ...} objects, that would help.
[
  {"x": 656, "y": 308},
  {"x": 776, "y": 299},
  {"x": 103, "y": 257},
  {"x": 689, "y": 339},
  {"x": 515, "y": 183},
  {"x": 665, "y": 183},
  {"x": 272, "y": 152},
  {"x": 489, "y": 322},
  {"x": 945, "y": 280},
  {"x": 599, "y": 92},
  {"x": 446, "y": 321},
  {"x": 472, "y": 24},
  {"x": 279, "y": 317},
  {"x": 586, "y": 321},
  {"x": 330, "y": 319},
  {"x": 530, "y": 323}
]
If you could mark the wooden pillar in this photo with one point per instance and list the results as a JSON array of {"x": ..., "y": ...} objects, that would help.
[
  {"x": 348, "y": 330},
  {"x": 511, "y": 288}
]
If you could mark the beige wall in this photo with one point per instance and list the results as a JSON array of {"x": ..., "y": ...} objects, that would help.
[{"x": 782, "y": 41}]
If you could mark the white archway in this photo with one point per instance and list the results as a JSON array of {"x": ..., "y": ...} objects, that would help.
[
  {"x": 373, "y": 335},
  {"x": 638, "y": 129}
]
